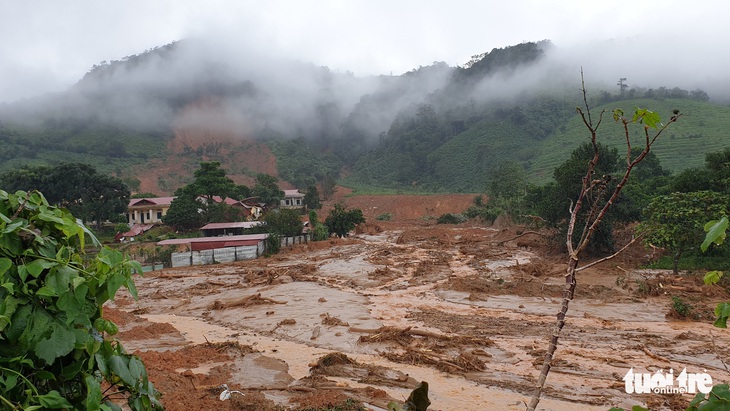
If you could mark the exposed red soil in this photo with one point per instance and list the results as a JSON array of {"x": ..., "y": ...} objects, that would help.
[{"x": 465, "y": 307}]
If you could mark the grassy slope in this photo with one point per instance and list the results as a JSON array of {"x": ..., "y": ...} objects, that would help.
[
  {"x": 703, "y": 128},
  {"x": 463, "y": 163},
  {"x": 107, "y": 149}
]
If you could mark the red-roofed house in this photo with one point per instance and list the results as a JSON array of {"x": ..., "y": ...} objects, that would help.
[{"x": 148, "y": 210}]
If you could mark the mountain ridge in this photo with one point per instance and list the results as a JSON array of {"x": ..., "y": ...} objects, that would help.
[{"x": 435, "y": 128}]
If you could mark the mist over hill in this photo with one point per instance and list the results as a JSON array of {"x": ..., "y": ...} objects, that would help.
[{"x": 436, "y": 127}]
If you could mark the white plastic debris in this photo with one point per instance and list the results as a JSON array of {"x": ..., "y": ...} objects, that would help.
[{"x": 226, "y": 394}]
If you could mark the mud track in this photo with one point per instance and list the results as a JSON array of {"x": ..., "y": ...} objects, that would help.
[{"x": 371, "y": 316}]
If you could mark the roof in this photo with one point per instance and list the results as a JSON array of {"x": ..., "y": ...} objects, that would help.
[
  {"x": 292, "y": 193},
  {"x": 150, "y": 201},
  {"x": 137, "y": 229},
  {"x": 227, "y": 200},
  {"x": 241, "y": 224},
  {"x": 222, "y": 239}
]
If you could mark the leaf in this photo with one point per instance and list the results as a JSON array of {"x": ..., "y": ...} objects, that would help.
[
  {"x": 716, "y": 233},
  {"x": 722, "y": 392},
  {"x": 617, "y": 114},
  {"x": 394, "y": 406},
  {"x": 60, "y": 343},
  {"x": 647, "y": 117},
  {"x": 136, "y": 367},
  {"x": 722, "y": 311},
  {"x": 712, "y": 277},
  {"x": 5, "y": 265},
  {"x": 13, "y": 226},
  {"x": 36, "y": 267},
  {"x": 93, "y": 396},
  {"x": 4, "y": 322},
  {"x": 119, "y": 365},
  {"x": 54, "y": 400},
  {"x": 10, "y": 381}
]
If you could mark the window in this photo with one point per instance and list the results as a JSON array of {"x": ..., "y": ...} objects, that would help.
[
  {"x": 299, "y": 201},
  {"x": 148, "y": 216},
  {"x": 287, "y": 202},
  {"x": 159, "y": 215}
]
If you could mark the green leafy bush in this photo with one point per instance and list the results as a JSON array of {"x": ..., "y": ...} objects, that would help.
[
  {"x": 273, "y": 243},
  {"x": 384, "y": 217},
  {"x": 484, "y": 213},
  {"x": 341, "y": 220},
  {"x": 451, "y": 218},
  {"x": 55, "y": 351}
]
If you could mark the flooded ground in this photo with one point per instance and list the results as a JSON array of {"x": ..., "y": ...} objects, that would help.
[{"x": 371, "y": 316}]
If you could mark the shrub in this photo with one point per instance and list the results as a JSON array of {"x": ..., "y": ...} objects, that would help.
[
  {"x": 56, "y": 352},
  {"x": 384, "y": 217},
  {"x": 486, "y": 214},
  {"x": 451, "y": 218},
  {"x": 273, "y": 243}
]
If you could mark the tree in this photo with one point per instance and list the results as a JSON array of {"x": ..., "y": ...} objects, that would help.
[
  {"x": 91, "y": 196},
  {"x": 211, "y": 181},
  {"x": 319, "y": 230},
  {"x": 553, "y": 200},
  {"x": 267, "y": 189},
  {"x": 285, "y": 222},
  {"x": 57, "y": 352},
  {"x": 506, "y": 189},
  {"x": 341, "y": 220},
  {"x": 184, "y": 213},
  {"x": 311, "y": 198},
  {"x": 676, "y": 221},
  {"x": 212, "y": 186},
  {"x": 597, "y": 197}
]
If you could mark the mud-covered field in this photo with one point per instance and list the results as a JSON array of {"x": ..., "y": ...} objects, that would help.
[{"x": 466, "y": 308}]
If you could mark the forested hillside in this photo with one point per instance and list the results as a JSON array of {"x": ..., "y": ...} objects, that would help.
[{"x": 434, "y": 129}]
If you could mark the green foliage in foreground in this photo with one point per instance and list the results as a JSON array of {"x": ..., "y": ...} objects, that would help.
[
  {"x": 718, "y": 399},
  {"x": 716, "y": 234},
  {"x": 55, "y": 353}
]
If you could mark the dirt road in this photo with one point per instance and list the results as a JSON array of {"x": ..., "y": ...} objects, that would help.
[{"x": 371, "y": 316}]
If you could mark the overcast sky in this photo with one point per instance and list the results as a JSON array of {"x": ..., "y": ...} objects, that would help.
[{"x": 48, "y": 45}]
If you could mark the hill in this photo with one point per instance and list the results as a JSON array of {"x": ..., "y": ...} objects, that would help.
[{"x": 152, "y": 117}]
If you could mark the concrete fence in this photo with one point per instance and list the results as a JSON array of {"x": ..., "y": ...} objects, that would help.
[
  {"x": 230, "y": 254},
  {"x": 217, "y": 255},
  {"x": 287, "y": 241}
]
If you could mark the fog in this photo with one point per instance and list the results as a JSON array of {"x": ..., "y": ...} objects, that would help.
[{"x": 245, "y": 89}]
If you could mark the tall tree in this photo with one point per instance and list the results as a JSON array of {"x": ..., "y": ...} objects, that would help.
[
  {"x": 267, "y": 189},
  {"x": 213, "y": 186},
  {"x": 311, "y": 198},
  {"x": 211, "y": 181}
]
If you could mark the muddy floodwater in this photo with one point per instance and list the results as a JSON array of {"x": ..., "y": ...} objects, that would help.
[{"x": 371, "y": 316}]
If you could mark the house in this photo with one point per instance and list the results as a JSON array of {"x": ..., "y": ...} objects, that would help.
[
  {"x": 236, "y": 228},
  {"x": 293, "y": 199},
  {"x": 147, "y": 210},
  {"x": 252, "y": 209}
]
